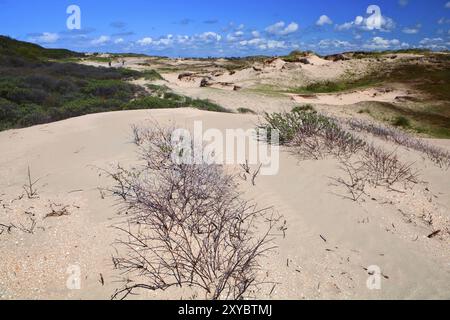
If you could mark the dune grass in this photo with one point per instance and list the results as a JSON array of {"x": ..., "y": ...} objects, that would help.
[{"x": 427, "y": 119}]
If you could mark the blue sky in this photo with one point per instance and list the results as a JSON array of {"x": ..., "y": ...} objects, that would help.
[{"x": 229, "y": 28}]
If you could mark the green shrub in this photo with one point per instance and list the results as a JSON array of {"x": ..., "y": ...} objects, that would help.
[
  {"x": 246, "y": 111},
  {"x": 86, "y": 106},
  {"x": 306, "y": 107},
  {"x": 288, "y": 124},
  {"x": 151, "y": 75},
  {"x": 205, "y": 105},
  {"x": 111, "y": 89},
  {"x": 401, "y": 121},
  {"x": 152, "y": 103}
]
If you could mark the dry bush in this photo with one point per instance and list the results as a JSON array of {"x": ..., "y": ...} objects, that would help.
[
  {"x": 375, "y": 167},
  {"x": 316, "y": 136},
  {"x": 313, "y": 135},
  {"x": 187, "y": 226},
  {"x": 385, "y": 169},
  {"x": 437, "y": 155}
]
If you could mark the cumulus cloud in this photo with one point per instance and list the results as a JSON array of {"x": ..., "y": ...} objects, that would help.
[
  {"x": 46, "y": 37},
  {"x": 119, "y": 41},
  {"x": 101, "y": 40},
  {"x": 434, "y": 43},
  {"x": 256, "y": 34},
  {"x": 333, "y": 43},
  {"x": 281, "y": 29},
  {"x": 412, "y": 30},
  {"x": 371, "y": 23},
  {"x": 379, "y": 43},
  {"x": 210, "y": 37},
  {"x": 264, "y": 44},
  {"x": 236, "y": 36},
  {"x": 145, "y": 41},
  {"x": 323, "y": 20}
]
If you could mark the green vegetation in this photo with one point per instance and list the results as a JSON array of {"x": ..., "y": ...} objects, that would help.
[
  {"x": 11, "y": 49},
  {"x": 151, "y": 75},
  {"x": 295, "y": 55},
  {"x": 246, "y": 111},
  {"x": 170, "y": 100},
  {"x": 401, "y": 121},
  {"x": 288, "y": 124},
  {"x": 36, "y": 89},
  {"x": 337, "y": 86},
  {"x": 429, "y": 119}
]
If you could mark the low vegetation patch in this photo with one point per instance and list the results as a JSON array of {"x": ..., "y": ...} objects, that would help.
[
  {"x": 186, "y": 226},
  {"x": 36, "y": 89},
  {"x": 246, "y": 111},
  {"x": 336, "y": 86},
  {"x": 315, "y": 136}
]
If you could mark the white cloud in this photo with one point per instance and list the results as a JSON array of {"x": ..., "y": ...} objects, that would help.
[
  {"x": 447, "y": 5},
  {"x": 232, "y": 37},
  {"x": 145, "y": 41},
  {"x": 101, "y": 40},
  {"x": 256, "y": 34},
  {"x": 118, "y": 41},
  {"x": 379, "y": 43},
  {"x": 210, "y": 37},
  {"x": 367, "y": 24},
  {"x": 333, "y": 43},
  {"x": 273, "y": 44},
  {"x": 46, "y": 37},
  {"x": 443, "y": 21},
  {"x": 323, "y": 20},
  {"x": 434, "y": 43},
  {"x": 427, "y": 41},
  {"x": 263, "y": 44},
  {"x": 281, "y": 29},
  {"x": 344, "y": 26},
  {"x": 412, "y": 30}
]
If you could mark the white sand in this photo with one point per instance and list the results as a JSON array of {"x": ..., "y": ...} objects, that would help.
[
  {"x": 349, "y": 98},
  {"x": 65, "y": 156}
]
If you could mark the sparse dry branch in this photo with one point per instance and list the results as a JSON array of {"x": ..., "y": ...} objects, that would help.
[
  {"x": 58, "y": 210},
  {"x": 186, "y": 226},
  {"x": 437, "y": 155},
  {"x": 29, "y": 188}
]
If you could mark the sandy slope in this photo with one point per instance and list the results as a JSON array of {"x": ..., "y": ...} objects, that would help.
[{"x": 66, "y": 155}]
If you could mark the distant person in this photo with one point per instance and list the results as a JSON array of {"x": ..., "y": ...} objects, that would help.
[{"x": 110, "y": 64}]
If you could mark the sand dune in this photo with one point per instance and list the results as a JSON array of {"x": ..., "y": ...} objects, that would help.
[{"x": 329, "y": 243}]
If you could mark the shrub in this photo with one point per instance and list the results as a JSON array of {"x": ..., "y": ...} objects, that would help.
[
  {"x": 205, "y": 105},
  {"x": 112, "y": 89},
  {"x": 32, "y": 114},
  {"x": 290, "y": 124},
  {"x": 152, "y": 103},
  {"x": 246, "y": 111},
  {"x": 401, "y": 121},
  {"x": 81, "y": 107},
  {"x": 151, "y": 75},
  {"x": 186, "y": 226}
]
